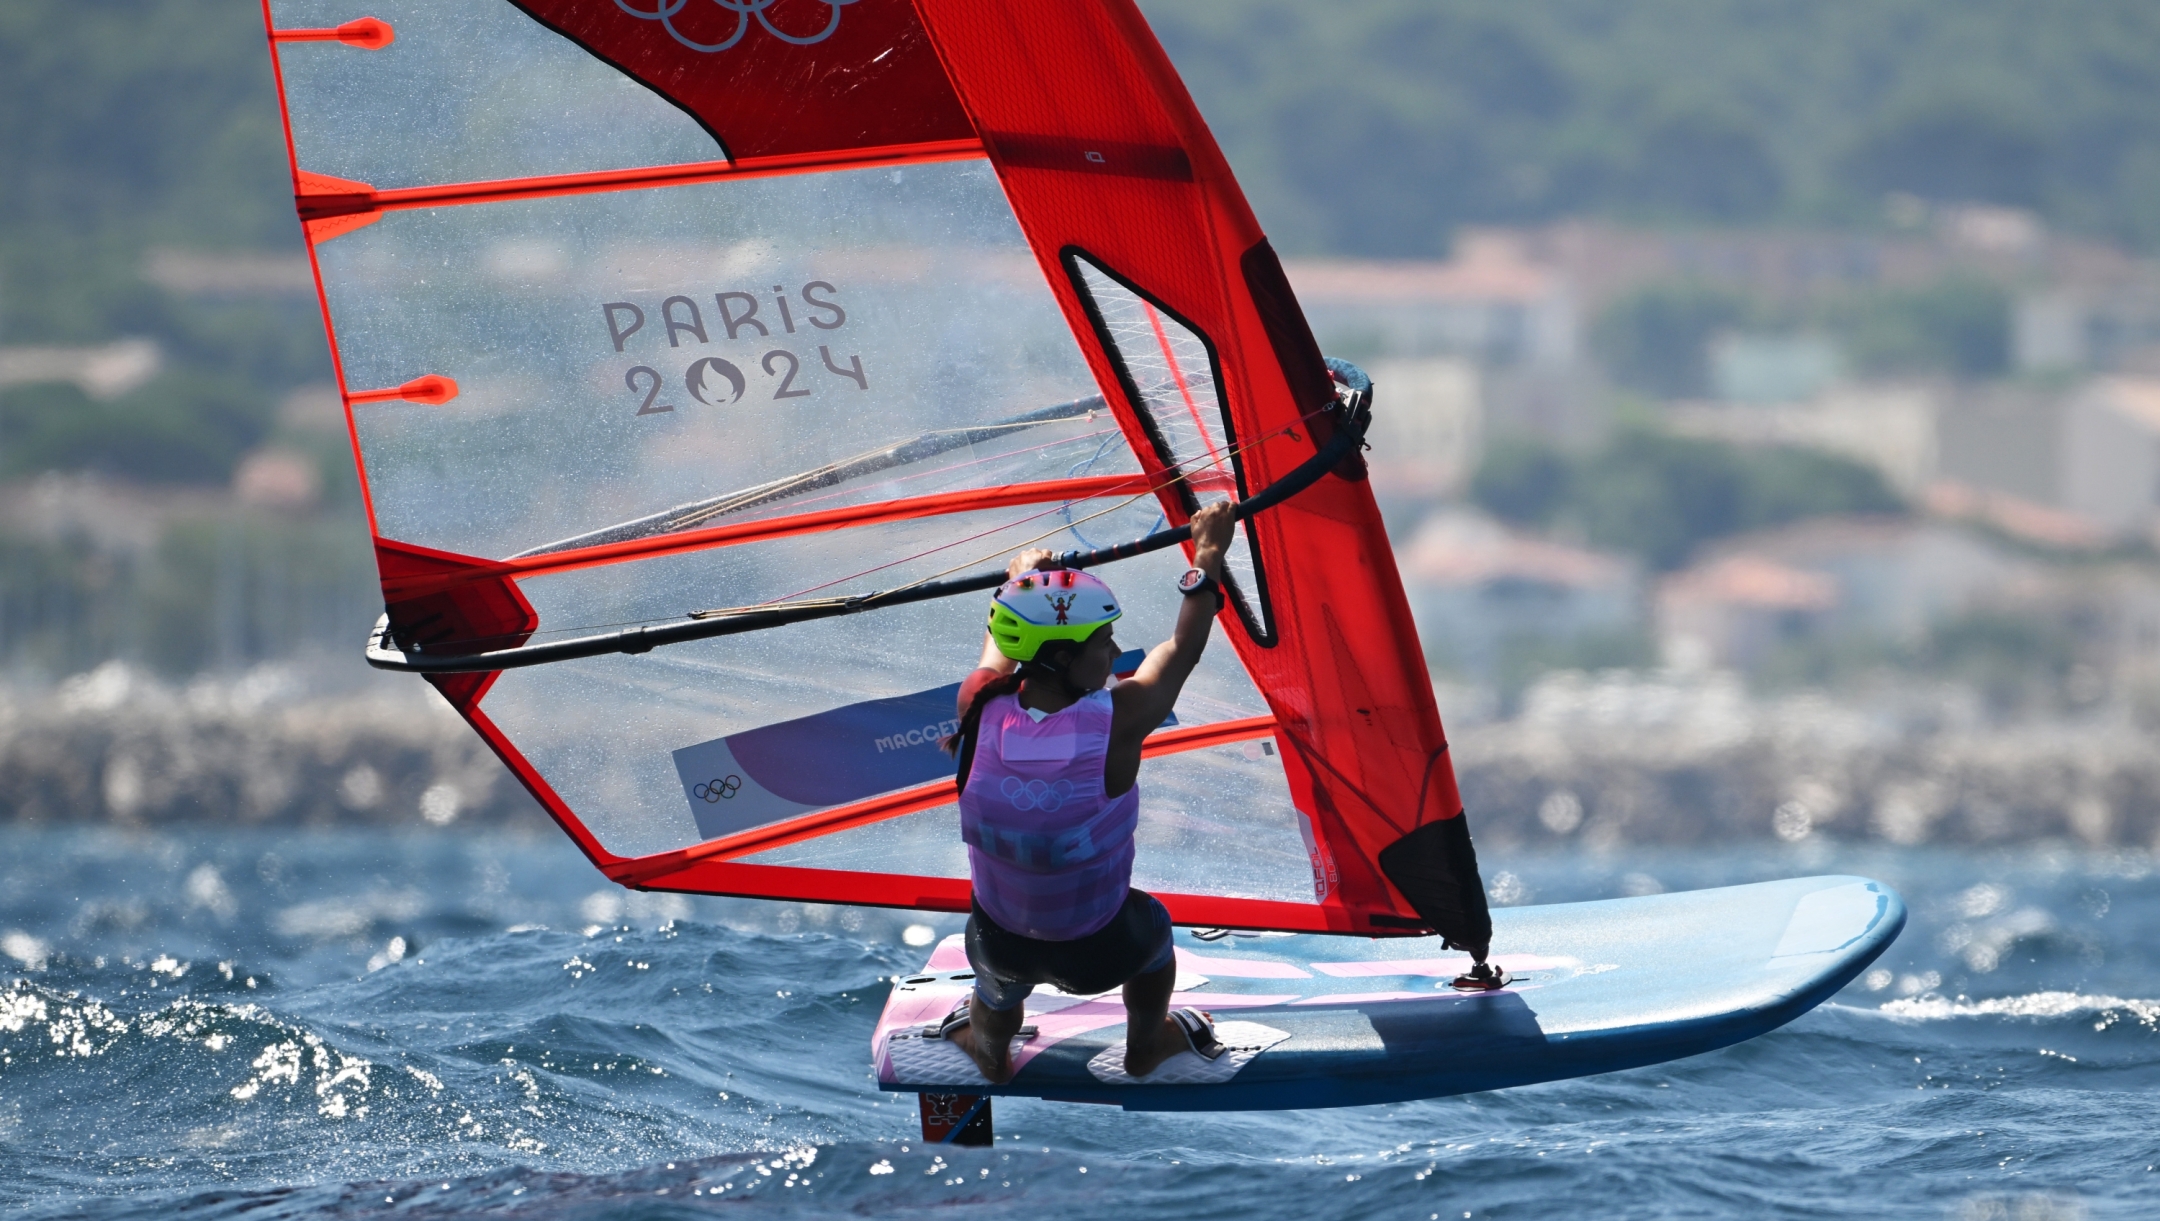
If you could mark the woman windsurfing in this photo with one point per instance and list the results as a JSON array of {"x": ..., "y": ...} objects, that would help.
[{"x": 1049, "y": 800}]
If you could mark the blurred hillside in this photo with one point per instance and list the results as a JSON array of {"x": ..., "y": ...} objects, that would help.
[
  {"x": 1721, "y": 348},
  {"x": 1378, "y": 128},
  {"x": 127, "y": 126},
  {"x": 163, "y": 494}
]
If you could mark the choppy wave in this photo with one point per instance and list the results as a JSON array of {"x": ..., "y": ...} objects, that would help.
[{"x": 447, "y": 1027}]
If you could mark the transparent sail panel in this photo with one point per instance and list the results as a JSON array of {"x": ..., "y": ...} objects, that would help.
[
  {"x": 707, "y": 354},
  {"x": 925, "y": 843},
  {"x": 470, "y": 90},
  {"x": 1212, "y": 822},
  {"x": 625, "y": 740},
  {"x": 859, "y": 560},
  {"x": 1220, "y": 821},
  {"x": 1171, "y": 374}
]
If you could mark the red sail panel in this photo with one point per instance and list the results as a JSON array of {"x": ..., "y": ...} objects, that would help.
[
  {"x": 816, "y": 76},
  {"x": 1103, "y": 154}
]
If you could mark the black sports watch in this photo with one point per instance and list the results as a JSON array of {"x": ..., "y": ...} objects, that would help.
[{"x": 1196, "y": 581}]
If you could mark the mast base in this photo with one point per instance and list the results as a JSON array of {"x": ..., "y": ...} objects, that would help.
[
  {"x": 956, "y": 1119},
  {"x": 1484, "y": 977}
]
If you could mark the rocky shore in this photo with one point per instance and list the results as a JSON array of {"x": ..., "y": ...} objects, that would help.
[
  {"x": 1658, "y": 759},
  {"x": 270, "y": 747},
  {"x": 1591, "y": 759}
]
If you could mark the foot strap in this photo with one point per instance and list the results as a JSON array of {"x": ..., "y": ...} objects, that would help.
[
  {"x": 959, "y": 1019},
  {"x": 1199, "y": 1032}
]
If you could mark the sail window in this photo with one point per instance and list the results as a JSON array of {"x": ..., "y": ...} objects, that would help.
[{"x": 1169, "y": 373}]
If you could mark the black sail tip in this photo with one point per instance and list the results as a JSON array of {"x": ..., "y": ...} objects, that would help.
[{"x": 1435, "y": 867}]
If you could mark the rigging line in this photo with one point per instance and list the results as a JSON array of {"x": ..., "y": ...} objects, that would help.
[
  {"x": 1064, "y": 507},
  {"x": 985, "y": 460},
  {"x": 683, "y": 517},
  {"x": 1180, "y": 477},
  {"x": 1192, "y": 409},
  {"x": 843, "y": 470},
  {"x": 788, "y": 599},
  {"x": 898, "y": 453},
  {"x": 1088, "y": 464},
  {"x": 385, "y": 652},
  {"x": 944, "y": 546},
  {"x": 1425, "y": 785},
  {"x": 1307, "y": 750}
]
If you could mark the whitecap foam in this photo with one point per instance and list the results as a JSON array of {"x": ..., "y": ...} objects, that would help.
[
  {"x": 65, "y": 1025},
  {"x": 2031, "y": 1005}
]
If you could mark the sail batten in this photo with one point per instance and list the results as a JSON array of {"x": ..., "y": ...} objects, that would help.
[
  {"x": 899, "y": 453},
  {"x": 361, "y": 198},
  {"x": 1060, "y": 492}
]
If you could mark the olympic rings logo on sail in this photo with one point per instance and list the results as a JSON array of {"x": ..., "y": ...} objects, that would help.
[
  {"x": 714, "y": 791},
  {"x": 1035, "y": 794},
  {"x": 664, "y": 12}
]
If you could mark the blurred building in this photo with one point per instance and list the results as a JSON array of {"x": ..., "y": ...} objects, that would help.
[
  {"x": 2090, "y": 315},
  {"x": 1478, "y": 589},
  {"x": 111, "y": 517},
  {"x": 2080, "y": 464},
  {"x": 103, "y": 371},
  {"x": 1879, "y": 578},
  {"x": 2080, "y": 305},
  {"x": 1491, "y": 304},
  {"x": 1889, "y": 426},
  {"x": 2110, "y": 459},
  {"x": 230, "y": 273},
  {"x": 1602, "y": 260},
  {"x": 2072, "y": 466},
  {"x": 1733, "y": 610},
  {"x": 1756, "y": 369},
  {"x": 1427, "y": 423},
  {"x": 1489, "y": 341}
]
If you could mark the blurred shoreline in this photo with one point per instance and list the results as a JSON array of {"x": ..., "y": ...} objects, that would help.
[
  {"x": 1597, "y": 759},
  {"x": 293, "y": 745},
  {"x": 1664, "y": 758}
]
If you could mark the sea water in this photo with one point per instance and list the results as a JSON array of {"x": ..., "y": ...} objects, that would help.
[{"x": 268, "y": 1025}]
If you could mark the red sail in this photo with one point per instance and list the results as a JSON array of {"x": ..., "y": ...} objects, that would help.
[{"x": 748, "y": 305}]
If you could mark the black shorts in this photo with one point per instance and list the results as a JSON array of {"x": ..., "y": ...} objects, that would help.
[{"x": 1008, "y": 966}]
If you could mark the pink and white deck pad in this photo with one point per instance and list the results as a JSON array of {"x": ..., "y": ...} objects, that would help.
[{"x": 909, "y": 1053}]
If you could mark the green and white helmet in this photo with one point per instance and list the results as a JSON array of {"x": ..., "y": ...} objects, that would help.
[{"x": 1038, "y": 607}]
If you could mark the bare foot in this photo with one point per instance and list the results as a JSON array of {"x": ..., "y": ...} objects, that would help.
[
  {"x": 1144, "y": 1056},
  {"x": 992, "y": 1056}
]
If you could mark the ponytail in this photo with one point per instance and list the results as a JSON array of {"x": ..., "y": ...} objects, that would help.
[{"x": 962, "y": 743}]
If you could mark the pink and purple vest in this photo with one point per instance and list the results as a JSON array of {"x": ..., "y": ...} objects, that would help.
[{"x": 1050, "y": 856}]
